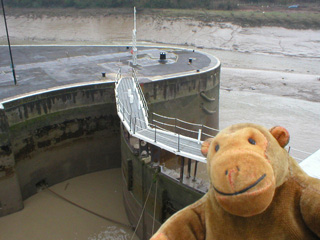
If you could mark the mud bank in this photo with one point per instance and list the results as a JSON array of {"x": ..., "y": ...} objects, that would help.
[
  {"x": 101, "y": 29},
  {"x": 256, "y": 62}
]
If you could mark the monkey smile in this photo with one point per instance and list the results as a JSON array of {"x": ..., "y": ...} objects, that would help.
[{"x": 243, "y": 190}]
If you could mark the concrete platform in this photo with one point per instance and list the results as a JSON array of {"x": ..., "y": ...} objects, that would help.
[{"x": 44, "y": 67}]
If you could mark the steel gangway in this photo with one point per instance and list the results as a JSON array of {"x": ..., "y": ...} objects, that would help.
[{"x": 133, "y": 111}]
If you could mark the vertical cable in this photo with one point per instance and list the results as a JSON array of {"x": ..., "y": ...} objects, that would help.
[
  {"x": 154, "y": 209},
  {"x": 5, "y": 23}
]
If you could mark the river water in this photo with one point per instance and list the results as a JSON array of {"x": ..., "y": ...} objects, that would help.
[{"x": 48, "y": 217}]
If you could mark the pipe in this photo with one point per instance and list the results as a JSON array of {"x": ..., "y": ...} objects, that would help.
[{"x": 204, "y": 96}]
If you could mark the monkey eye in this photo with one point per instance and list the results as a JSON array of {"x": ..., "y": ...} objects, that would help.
[
  {"x": 251, "y": 141},
  {"x": 217, "y": 147}
]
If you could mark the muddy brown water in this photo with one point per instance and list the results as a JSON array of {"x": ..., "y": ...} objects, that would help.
[{"x": 46, "y": 216}]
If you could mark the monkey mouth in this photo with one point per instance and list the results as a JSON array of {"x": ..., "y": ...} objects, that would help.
[{"x": 243, "y": 190}]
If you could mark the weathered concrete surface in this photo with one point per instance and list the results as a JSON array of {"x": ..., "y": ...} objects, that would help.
[
  {"x": 51, "y": 136},
  {"x": 6, "y": 156},
  {"x": 62, "y": 134},
  {"x": 175, "y": 97},
  {"x": 59, "y": 131},
  {"x": 10, "y": 193},
  {"x": 168, "y": 194},
  {"x": 193, "y": 98}
]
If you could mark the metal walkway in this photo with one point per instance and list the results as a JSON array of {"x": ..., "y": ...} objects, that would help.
[{"x": 133, "y": 112}]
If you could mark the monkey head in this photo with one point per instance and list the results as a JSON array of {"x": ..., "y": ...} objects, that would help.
[{"x": 246, "y": 163}]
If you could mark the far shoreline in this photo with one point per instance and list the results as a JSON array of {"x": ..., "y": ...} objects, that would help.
[{"x": 244, "y": 15}]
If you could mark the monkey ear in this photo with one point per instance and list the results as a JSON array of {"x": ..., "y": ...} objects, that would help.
[
  {"x": 205, "y": 146},
  {"x": 281, "y": 135}
]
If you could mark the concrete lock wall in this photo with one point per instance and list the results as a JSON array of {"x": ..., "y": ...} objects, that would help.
[
  {"x": 175, "y": 97},
  {"x": 193, "y": 98},
  {"x": 10, "y": 194},
  {"x": 52, "y": 136}
]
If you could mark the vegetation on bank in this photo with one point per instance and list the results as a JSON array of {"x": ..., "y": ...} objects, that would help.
[
  {"x": 290, "y": 20},
  {"x": 246, "y": 13},
  {"x": 180, "y": 4}
]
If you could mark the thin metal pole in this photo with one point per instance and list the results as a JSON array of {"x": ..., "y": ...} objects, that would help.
[
  {"x": 175, "y": 125},
  {"x": 199, "y": 135},
  {"x": 189, "y": 168},
  {"x": 201, "y": 131},
  {"x": 130, "y": 123},
  {"x": 5, "y": 23},
  {"x": 130, "y": 118},
  {"x": 181, "y": 169},
  {"x": 155, "y": 133},
  {"x": 178, "y": 142},
  {"x": 195, "y": 171}
]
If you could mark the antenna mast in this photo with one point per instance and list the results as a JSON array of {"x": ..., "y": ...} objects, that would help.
[
  {"x": 9, "y": 45},
  {"x": 134, "y": 39}
]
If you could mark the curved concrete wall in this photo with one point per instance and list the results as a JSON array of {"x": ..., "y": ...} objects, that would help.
[
  {"x": 180, "y": 97},
  {"x": 52, "y": 136}
]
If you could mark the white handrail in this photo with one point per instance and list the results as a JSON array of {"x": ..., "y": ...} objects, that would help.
[
  {"x": 144, "y": 102},
  {"x": 163, "y": 116},
  {"x": 214, "y": 129},
  {"x": 197, "y": 127},
  {"x": 208, "y": 135},
  {"x": 294, "y": 149},
  {"x": 166, "y": 124},
  {"x": 192, "y": 124},
  {"x": 136, "y": 124},
  {"x": 186, "y": 129}
]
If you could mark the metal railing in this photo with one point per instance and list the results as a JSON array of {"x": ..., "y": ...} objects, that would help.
[
  {"x": 297, "y": 154},
  {"x": 142, "y": 98},
  {"x": 178, "y": 143},
  {"x": 135, "y": 124},
  {"x": 118, "y": 76},
  {"x": 169, "y": 133},
  {"x": 176, "y": 125}
]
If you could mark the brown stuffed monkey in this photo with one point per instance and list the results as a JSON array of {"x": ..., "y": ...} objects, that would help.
[{"x": 257, "y": 191}]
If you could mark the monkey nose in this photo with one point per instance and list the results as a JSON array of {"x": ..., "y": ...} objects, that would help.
[{"x": 232, "y": 174}]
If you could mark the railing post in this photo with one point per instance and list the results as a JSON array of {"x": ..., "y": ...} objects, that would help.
[
  {"x": 199, "y": 135},
  {"x": 195, "y": 171},
  {"x": 181, "y": 169},
  {"x": 189, "y": 168},
  {"x": 130, "y": 123},
  {"x": 134, "y": 126},
  {"x": 201, "y": 131},
  {"x": 175, "y": 125},
  {"x": 178, "y": 142},
  {"x": 155, "y": 133}
]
